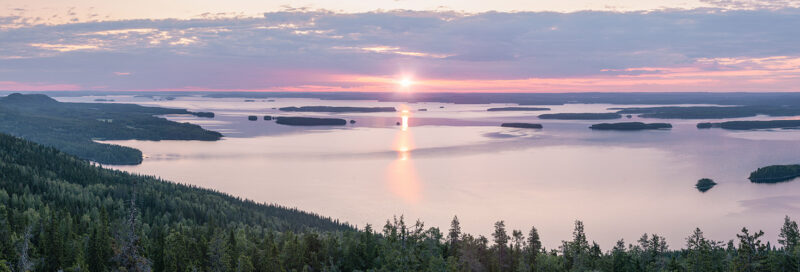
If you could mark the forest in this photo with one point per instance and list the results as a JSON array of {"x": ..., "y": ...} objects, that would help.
[
  {"x": 630, "y": 126},
  {"x": 581, "y": 116},
  {"x": 61, "y": 213},
  {"x": 775, "y": 173},
  {"x": 73, "y": 127},
  {"x": 748, "y": 125},
  {"x": 712, "y": 112}
]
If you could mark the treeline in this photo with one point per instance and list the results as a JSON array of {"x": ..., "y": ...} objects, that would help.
[
  {"x": 73, "y": 127},
  {"x": 60, "y": 213}
]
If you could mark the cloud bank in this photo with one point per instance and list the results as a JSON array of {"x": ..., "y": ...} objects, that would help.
[{"x": 708, "y": 49}]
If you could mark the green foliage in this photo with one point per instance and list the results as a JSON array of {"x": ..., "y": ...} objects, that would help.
[
  {"x": 58, "y": 212},
  {"x": 73, "y": 127},
  {"x": 775, "y": 173},
  {"x": 712, "y": 112},
  {"x": 581, "y": 116},
  {"x": 705, "y": 184}
]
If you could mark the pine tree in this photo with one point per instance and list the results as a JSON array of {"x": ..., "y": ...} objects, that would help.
[
  {"x": 501, "y": 245},
  {"x": 100, "y": 244},
  {"x": 533, "y": 248},
  {"x": 128, "y": 257},
  {"x": 699, "y": 252},
  {"x": 453, "y": 236},
  {"x": 789, "y": 236},
  {"x": 751, "y": 253}
]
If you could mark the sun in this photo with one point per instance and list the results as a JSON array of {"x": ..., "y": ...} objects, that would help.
[{"x": 406, "y": 82}]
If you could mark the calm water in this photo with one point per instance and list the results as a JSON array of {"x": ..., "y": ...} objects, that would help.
[{"x": 456, "y": 160}]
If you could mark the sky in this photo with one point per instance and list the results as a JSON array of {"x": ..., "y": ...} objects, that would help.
[{"x": 373, "y": 46}]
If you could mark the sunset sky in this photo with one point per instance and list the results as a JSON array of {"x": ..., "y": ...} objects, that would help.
[{"x": 444, "y": 46}]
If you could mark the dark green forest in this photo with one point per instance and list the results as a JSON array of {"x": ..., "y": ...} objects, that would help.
[
  {"x": 59, "y": 212},
  {"x": 73, "y": 127},
  {"x": 775, "y": 173}
]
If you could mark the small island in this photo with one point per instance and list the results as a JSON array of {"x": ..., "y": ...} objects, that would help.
[
  {"x": 749, "y": 125},
  {"x": 104, "y": 100},
  {"x": 775, "y": 173},
  {"x": 252, "y": 117},
  {"x": 337, "y": 109},
  {"x": 267, "y": 118},
  {"x": 205, "y": 114},
  {"x": 707, "y": 125},
  {"x": 521, "y": 125},
  {"x": 310, "y": 121},
  {"x": 518, "y": 109},
  {"x": 581, "y": 116},
  {"x": 630, "y": 126},
  {"x": 705, "y": 184}
]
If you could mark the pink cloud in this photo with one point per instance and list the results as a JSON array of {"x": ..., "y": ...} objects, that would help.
[{"x": 25, "y": 86}]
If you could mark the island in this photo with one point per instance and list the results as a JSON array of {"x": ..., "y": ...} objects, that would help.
[
  {"x": 707, "y": 125},
  {"x": 104, "y": 100},
  {"x": 518, "y": 109},
  {"x": 74, "y": 127},
  {"x": 337, "y": 109},
  {"x": 775, "y": 173},
  {"x": 710, "y": 112},
  {"x": 580, "y": 116},
  {"x": 630, "y": 126},
  {"x": 521, "y": 125},
  {"x": 267, "y": 118},
  {"x": 204, "y": 114},
  {"x": 748, "y": 125},
  {"x": 310, "y": 121},
  {"x": 252, "y": 117},
  {"x": 704, "y": 184}
]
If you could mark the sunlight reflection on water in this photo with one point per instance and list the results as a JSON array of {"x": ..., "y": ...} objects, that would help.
[{"x": 401, "y": 176}]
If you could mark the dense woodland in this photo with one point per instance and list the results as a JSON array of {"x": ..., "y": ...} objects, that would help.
[
  {"x": 630, "y": 126},
  {"x": 58, "y": 212},
  {"x": 713, "y": 112},
  {"x": 775, "y": 173},
  {"x": 72, "y": 127},
  {"x": 581, "y": 116}
]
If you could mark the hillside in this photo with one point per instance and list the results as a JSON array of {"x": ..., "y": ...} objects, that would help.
[
  {"x": 73, "y": 127},
  {"x": 60, "y": 213},
  {"x": 43, "y": 187}
]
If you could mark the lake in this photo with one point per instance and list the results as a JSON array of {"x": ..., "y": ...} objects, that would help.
[{"x": 456, "y": 160}]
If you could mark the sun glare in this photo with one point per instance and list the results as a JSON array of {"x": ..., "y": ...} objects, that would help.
[{"x": 406, "y": 82}]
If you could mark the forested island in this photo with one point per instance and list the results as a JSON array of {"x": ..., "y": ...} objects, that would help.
[
  {"x": 521, "y": 125},
  {"x": 73, "y": 127},
  {"x": 775, "y": 173},
  {"x": 338, "y": 109},
  {"x": 630, "y": 126},
  {"x": 711, "y": 112},
  {"x": 310, "y": 121},
  {"x": 756, "y": 99},
  {"x": 748, "y": 125},
  {"x": 705, "y": 184},
  {"x": 60, "y": 213},
  {"x": 518, "y": 109},
  {"x": 580, "y": 116}
]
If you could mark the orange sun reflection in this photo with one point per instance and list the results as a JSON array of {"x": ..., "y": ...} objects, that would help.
[{"x": 401, "y": 176}]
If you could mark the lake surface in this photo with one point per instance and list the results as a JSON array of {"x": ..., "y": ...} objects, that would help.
[{"x": 456, "y": 160}]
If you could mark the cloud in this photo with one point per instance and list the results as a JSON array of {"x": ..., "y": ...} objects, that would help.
[
  {"x": 492, "y": 51},
  {"x": 753, "y": 4}
]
